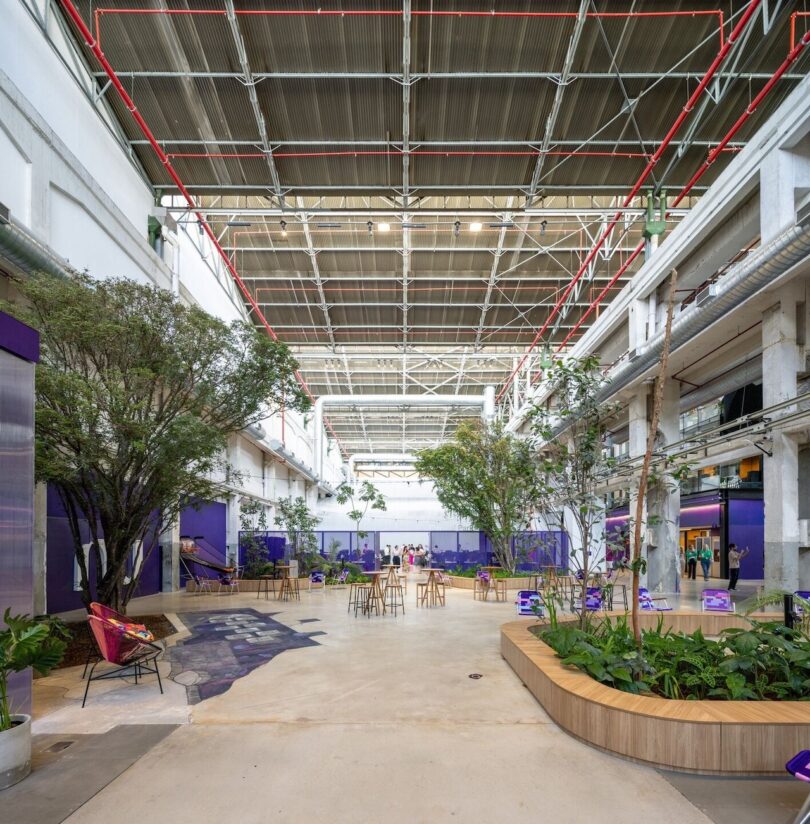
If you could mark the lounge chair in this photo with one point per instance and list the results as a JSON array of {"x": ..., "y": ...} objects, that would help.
[
  {"x": 717, "y": 600},
  {"x": 318, "y": 578},
  {"x": 123, "y": 646},
  {"x": 652, "y": 603},
  {"x": 529, "y": 602}
]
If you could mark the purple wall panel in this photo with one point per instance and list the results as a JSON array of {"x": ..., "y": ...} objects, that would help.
[
  {"x": 209, "y": 521},
  {"x": 697, "y": 516},
  {"x": 746, "y": 528},
  {"x": 60, "y": 595}
]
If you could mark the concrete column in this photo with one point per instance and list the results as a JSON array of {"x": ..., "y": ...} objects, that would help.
[
  {"x": 170, "y": 541},
  {"x": 781, "y": 469},
  {"x": 783, "y": 174},
  {"x": 232, "y": 511},
  {"x": 663, "y": 502},
  {"x": 40, "y": 549},
  {"x": 637, "y": 443}
]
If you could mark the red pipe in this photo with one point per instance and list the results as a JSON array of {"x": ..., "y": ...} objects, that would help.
[
  {"x": 793, "y": 17},
  {"x": 690, "y": 103},
  {"x": 397, "y": 13},
  {"x": 750, "y": 109},
  {"x": 147, "y": 132}
]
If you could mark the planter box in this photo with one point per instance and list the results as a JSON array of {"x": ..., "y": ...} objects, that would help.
[
  {"x": 460, "y": 582},
  {"x": 15, "y": 752},
  {"x": 246, "y": 585},
  {"x": 708, "y": 737}
]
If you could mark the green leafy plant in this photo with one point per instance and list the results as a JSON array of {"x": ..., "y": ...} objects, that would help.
[
  {"x": 27, "y": 642},
  {"x": 136, "y": 396},
  {"x": 295, "y": 518},
  {"x": 253, "y": 520},
  {"x": 766, "y": 661},
  {"x": 489, "y": 477},
  {"x": 361, "y": 498},
  {"x": 573, "y": 460}
]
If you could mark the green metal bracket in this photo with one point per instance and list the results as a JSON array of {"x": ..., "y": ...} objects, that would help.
[{"x": 653, "y": 227}]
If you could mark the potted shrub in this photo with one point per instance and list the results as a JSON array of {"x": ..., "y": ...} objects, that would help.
[{"x": 24, "y": 642}]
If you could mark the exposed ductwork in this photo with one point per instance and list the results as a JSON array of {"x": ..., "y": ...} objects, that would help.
[
  {"x": 26, "y": 254},
  {"x": 383, "y": 458},
  {"x": 742, "y": 282}
]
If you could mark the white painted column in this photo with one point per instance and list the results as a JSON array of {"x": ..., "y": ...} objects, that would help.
[
  {"x": 664, "y": 500},
  {"x": 170, "y": 573},
  {"x": 637, "y": 443},
  {"x": 781, "y": 471}
]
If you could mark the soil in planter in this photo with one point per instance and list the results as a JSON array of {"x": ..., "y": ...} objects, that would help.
[{"x": 80, "y": 643}]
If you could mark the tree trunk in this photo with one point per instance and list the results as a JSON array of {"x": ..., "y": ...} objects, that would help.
[{"x": 658, "y": 396}]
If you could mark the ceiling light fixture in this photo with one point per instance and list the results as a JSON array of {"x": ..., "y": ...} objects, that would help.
[
  {"x": 543, "y": 224},
  {"x": 283, "y": 228},
  {"x": 384, "y": 227},
  {"x": 370, "y": 225},
  {"x": 457, "y": 228},
  {"x": 476, "y": 226},
  {"x": 239, "y": 223}
]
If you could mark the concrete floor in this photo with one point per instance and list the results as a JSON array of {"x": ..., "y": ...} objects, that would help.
[{"x": 377, "y": 722}]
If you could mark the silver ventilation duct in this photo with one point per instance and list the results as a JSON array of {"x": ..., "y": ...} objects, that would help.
[
  {"x": 742, "y": 282},
  {"x": 26, "y": 254}
]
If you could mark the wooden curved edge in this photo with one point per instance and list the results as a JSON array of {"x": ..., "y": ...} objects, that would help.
[{"x": 707, "y": 737}]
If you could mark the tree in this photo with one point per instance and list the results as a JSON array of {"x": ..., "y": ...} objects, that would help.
[
  {"x": 136, "y": 395},
  {"x": 489, "y": 477},
  {"x": 658, "y": 395},
  {"x": 361, "y": 498},
  {"x": 574, "y": 460},
  {"x": 299, "y": 523},
  {"x": 253, "y": 519}
]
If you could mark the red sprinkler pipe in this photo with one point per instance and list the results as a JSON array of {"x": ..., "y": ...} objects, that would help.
[
  {"x": 753, "y": 5},
  {"x": 147, "y": 132},
  {"x": 750, "y": 109},
  {"x": 398, "y": 13}
]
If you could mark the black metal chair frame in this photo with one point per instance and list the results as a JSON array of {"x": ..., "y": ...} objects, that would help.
[{"x": 134, "y": 667}]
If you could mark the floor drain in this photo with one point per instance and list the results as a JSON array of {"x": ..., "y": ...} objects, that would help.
[
  {"x": 59, "y": 746},
  {"x": 475, "y": 675}
]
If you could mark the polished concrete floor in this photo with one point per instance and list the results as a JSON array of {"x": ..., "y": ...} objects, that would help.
[{"x": 378, "y": 721}]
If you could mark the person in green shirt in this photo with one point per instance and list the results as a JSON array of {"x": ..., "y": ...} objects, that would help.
[
  {"x": 691, "y": 561},
  {"x": 706, "y": 556}
]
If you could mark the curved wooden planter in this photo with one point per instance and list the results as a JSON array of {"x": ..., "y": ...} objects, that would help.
[
  {"x": 459, "y": 582},
  {"x": 710, "y": 737}
]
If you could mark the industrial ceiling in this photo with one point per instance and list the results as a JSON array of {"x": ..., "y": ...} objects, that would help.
[{"x": 416, "y": 193}]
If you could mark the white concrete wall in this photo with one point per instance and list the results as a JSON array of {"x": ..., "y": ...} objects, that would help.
[
  {"x": 409, "y": 506},
  {"x": 69, "y": 181}
]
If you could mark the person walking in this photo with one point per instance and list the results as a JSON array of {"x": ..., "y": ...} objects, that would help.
[
  {"x": 691, "y": 562},
  {"x": 734, "y": 557},
  {"x": 706, "y": 556}
]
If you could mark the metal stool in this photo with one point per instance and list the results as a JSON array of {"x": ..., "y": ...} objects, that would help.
[
  {"x": 394, "y": 598},
  {"x": 353, "y": 595},
  {"x": 264, "y": 586},
  {"x": 362, "y": 600}
]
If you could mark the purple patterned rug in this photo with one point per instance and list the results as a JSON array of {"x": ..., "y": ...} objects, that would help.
[{"x": 226, "y": 645}]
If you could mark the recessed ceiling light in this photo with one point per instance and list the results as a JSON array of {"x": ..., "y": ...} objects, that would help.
[{"x": 476, "y": 227}]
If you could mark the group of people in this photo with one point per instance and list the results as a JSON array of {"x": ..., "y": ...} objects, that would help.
[
  {"x": 705, "y": 555},
  {"x": 406, "y": 555}
]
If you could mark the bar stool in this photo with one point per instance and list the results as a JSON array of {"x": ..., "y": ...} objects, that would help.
[
  {"x": 374, "y": 600},
  {"x": 289, "y": 589},
  {"x": 394, "y": 598},
  {"x": 264, "y": 586},
  {"x": 353, "y": 594},
  {"x": 481, "y": 585},
  {"x": 362, "y": 598},
  {"x": 499, "y": 587}
]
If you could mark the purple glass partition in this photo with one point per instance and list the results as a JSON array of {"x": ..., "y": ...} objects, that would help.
[
  {"x": 19, "y": 351},
  {"x": 746, "y": 528}
]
